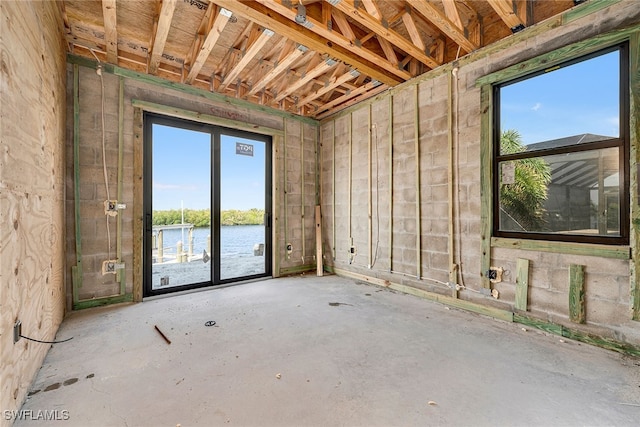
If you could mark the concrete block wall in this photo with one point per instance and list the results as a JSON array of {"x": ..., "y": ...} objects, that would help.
[
  {"x": 32, "y": 222},
  {"x": 607, "y": 280},
  {"x": 299, "y": 167}
]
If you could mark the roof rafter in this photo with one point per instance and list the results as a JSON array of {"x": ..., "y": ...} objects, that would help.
[
  {"x": 504, "y": 9},
  {"x": 110, "y": 30},
  {"x": 259, "y": 13},
  {"x": 333, "y": 83},
  {"x": 161, "y": 31},
  {"x": 281, "y": 66},
  {"x": 310, "y": 75},
  {"x": 346, "y": 40},
  {"x": 249, "y": 54},
  {"x": 212, "y": 37},
  {"x": 437, "y": 18},
  {"x": 412, "y": 28},
  {"x": 451, "y": 12},
  {"x": 366, "y": 90},
  {"x": 364, "y": 18}
]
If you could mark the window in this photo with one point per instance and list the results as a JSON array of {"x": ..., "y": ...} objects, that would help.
[{"x": 561, "y": 143}]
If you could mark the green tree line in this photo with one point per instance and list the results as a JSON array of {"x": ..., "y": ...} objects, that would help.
[{"x": 202, "y": 217}]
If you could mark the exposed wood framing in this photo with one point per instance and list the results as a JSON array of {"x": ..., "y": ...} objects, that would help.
[
  {"x": 204, "y": 51},
  {"x": 347, "y": 96},
  {"x": 451, "y": 12},
  {"x": 504, "y": 9},
  {"x": 138, "y": 209},
  {"x": 522, "y": 284},
  {"x": 312, "y": 74},
  {"x": 364, "y": 18},
  {"x": 329, "y": 86},
  {"x": 486, "y": 174},
  {"x": 76, "y": 270},
  {"x": 163, "y": 24},
  {"x": 577, "y": 311},
  {"x": 281, "y": 66},
  {"x": 183, "y": 88},
  {"x": 412, "y": 28},
  {"x": 110, "y": 30},
  {"x": 416, "y": 129},
  {"x": 437, "y": 18},
  {"x": 347, "y": 39},
  {"x": 602, "y": 251},
  {"x": 121, "y": 274},
  {"x": 319, "y": 270},
  {"x": 634, "y": 188},
  {"x": 249, "y": 54},
  {"x": 287, "y": 28}
]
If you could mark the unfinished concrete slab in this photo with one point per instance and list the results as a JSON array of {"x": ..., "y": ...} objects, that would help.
[{"x": 322, "y": 351}]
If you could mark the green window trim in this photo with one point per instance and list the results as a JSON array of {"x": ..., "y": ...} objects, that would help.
[{"x": 485, "y": 83}]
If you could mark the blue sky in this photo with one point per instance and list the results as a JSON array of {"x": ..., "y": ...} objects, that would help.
[
  {"x": 582, "y": 98},
  {"x": 182, "y": 171}
]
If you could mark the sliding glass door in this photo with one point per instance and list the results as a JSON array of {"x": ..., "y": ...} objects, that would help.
[{"x": 207, "y": 205}]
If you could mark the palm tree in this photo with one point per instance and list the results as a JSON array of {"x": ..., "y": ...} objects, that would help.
[{"x": 523, "y": 201}]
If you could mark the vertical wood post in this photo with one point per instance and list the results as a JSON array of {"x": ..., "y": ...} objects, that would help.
[
  {"x": 318, "y": 241},
  {"x": 522, "y": 284},
  {"x": 577, "y": 311}
]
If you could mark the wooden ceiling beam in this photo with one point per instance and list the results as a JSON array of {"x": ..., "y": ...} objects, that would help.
[
  {"x": 451, "y": 12},
  {"x": 349, "y": 98},
  {"x": 280, "y": 67},
  {"x": 346, "y": 40},
  {"x": 110, "y": 30},
  {"x": 412, "y": 29},
  {"x": 212, "y": 37},
  {"x": 249, "y": 54},
  {"x": 310, "y": 75},
  {"x": 343, "y": 24},
  {"x": 372, "y": 8},
  {"x": 504, "y": 9},
  {"x": 333, "y": 83},
  {"x": 161, "y": 31},
  {"x": 364, "y": 18},
  {"x": 437, "y": 18},
  {"x": 387, "y": 48},
  {"x": 352, "y": 56}
]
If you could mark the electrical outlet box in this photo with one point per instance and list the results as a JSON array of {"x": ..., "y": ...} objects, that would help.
[
  {"x": 111, "y": 207},
  {"x": 17, "y": 331},
  {"x": 110, "y": 266},
  {"x": 494, "y": 274}
]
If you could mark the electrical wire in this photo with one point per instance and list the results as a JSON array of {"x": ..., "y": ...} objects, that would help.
[
  {"x": 375, "y": 253},
  {"x": 104, "y": 156},
  {"x": 45, "y": 342},
  {"x": 457, "y": 180}
]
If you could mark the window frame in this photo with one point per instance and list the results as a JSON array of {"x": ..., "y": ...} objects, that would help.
[{"x": 622, "y": 143}]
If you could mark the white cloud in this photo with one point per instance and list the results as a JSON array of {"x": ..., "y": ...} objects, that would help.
[{"x": 537, "y": 106}]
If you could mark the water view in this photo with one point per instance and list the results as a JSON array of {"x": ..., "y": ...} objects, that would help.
[{"x": 238, "y": 255}]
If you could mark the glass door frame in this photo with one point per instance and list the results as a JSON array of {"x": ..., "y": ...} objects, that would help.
[{"x": 149, "y": 119}]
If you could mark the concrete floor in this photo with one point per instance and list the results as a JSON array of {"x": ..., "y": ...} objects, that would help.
[{"x": 281, "y": 355}]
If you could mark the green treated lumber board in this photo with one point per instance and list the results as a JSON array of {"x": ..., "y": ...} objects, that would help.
[
  {"x": 184, "y": 88},
  {"x": 557, "y": 56},
  {"x": 486, "y": 182},
  {"x": 97, "y": 302},
  {"x": 577, "y": 312},
  {"x": 585, "y": 9},
  {"x": 634, "y": 188},
  {"x": 285, "y": 271},
  {"x": 522, "y": 283},
  {"x": 587, "y": 249},
  {"x": 203, "y": 118}
]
